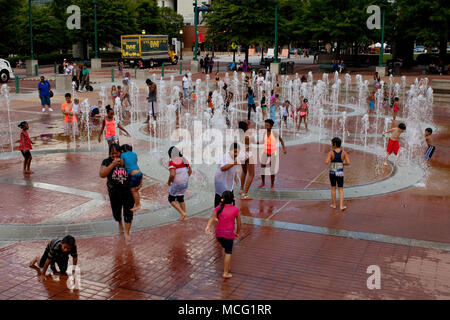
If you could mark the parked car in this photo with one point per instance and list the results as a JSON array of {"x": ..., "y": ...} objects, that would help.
[
  {"x": 6, "y": 71},
  {"x": 420, "y": 49},
  {"x": 434, "y": 50}
]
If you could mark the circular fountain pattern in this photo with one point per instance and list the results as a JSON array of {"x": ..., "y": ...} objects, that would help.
[{"x": 331, "y": 114}]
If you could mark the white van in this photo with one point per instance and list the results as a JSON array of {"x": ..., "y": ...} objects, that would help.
[{"x": 6, "y": 71}]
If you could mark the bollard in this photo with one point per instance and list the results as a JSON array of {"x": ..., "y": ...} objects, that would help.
[
  {"x": 181, "y": 66},
  {"x": 36, "y": 69},
  {"x": 135, "y": 72},
  {"x": 54, "y": 68},
  {"x": 217, "y": 66},
  {"x": 112, "y": 74},
  {"x": 17, "y": 84},
  {"x": 162, "y": 70}
]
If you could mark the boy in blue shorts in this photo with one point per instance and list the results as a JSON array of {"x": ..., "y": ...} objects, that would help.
[{"x": 129, "y": 162}]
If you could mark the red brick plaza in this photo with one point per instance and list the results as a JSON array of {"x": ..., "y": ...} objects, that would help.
[{"x": 292, "y": 246}]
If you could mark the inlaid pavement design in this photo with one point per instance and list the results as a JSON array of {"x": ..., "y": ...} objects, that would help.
[{"x": 292, "y": 246}]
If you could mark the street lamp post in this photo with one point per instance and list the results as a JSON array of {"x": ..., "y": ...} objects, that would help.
[
  {"x": 30, "y": 15},
  {"x": 276, "y": 32},
  {"x": 95, "y": 29},
  {"x": 181, "y": 45},
  {"x": 195, "y": 30}
]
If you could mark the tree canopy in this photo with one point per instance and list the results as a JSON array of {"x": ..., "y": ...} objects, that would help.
[
  {"x": 306, "y": 22},
  {"x": 50, "y": 33}
]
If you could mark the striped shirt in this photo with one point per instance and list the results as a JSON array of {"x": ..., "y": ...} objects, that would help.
[{"x": 55, "y": 251}]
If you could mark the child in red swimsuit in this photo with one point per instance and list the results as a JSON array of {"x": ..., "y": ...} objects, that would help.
[
  {"x": 395, "y": 108},
  {"x": 393, "y": 145},
  {"x": 25, "y": 147}
]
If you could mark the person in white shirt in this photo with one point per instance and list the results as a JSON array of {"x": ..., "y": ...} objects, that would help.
[
  {"x": 226, "y": 173},
  {"x": 260, "y": 79},
  {"x": 186, "y": 85}
]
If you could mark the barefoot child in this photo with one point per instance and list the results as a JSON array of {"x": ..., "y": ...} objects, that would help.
[
  {"x": 129, "y": 162},
  {"x": 57, "y": 251},
  {"x": 303, "y": 114},
  {"x": 210, "y": 103},
  {"x": 264, "y": 105},
  {"x": 25, "y": 147},
  {"x": 180, "y": 171},
  {"x": 395, "y": 108},
  {"x": 285, "y": 110},
  {"x": 338, "y": 158},
  {"x": 393, "y": 145},
  {"x": 431, "y": 147},
  {"x": 272, "y": 110},
  {"x": 110, "y": 123},
  {"x": 114, "y": 93},
  {"x": 371, "y": 100},
  {"x": 226, "y": 214}
]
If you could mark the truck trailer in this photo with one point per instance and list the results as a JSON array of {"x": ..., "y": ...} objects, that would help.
[{"x": 153, "y": 50}]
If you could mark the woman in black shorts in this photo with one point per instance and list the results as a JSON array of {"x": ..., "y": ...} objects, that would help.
[{"x": 119, "y": 193}]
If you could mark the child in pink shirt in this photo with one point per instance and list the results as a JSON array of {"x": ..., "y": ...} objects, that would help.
[{"x": 226, "y": 215}]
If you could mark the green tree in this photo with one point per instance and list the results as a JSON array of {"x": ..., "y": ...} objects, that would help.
[
  {"x": 148, "y": 17},
  {"x": 114, "y": 18},
  {"x": 48, "y": 31},
  {"x": 425, "y": 21},
  {"x": 243, "y": 22},
  {"x": 10, "y": 25},
  {"x": 172, "y": 22}
]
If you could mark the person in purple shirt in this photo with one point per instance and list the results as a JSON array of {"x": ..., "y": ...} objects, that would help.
[{"x": 44, "y": 88}]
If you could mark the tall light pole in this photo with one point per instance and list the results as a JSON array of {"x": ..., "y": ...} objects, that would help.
[
  {"x": 30, "y": 16},
  {"x": 95, "y": 29},
  {"x": 181, "y": 45},
  {"x": 195, "y": 30},
  {"x": 276, "y": 32}
]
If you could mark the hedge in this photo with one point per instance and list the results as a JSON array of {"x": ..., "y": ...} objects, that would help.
[{"x": 427, "y": 58}]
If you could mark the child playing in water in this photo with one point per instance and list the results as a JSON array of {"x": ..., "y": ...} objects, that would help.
[
  {"x": 303, "y": 114},
  {"x": 285, "y": 109},
  {"x": 264, "y": 105},
  {"x": 431, "y": 147},
  {"x": 395, "y": 108},
  {"x": 269, "y": 155},
  {"x": 110, "y": 123},
  {"x": 180, "y": 105},
  {"x": 194, "y": 94},
  {"x": 250, "y": 102},
  {"x": 272, "y": 110},
  {"x": 114, "y": 93},
  {"x": 393, "y": 145},
  {"x": 129, "y": 162},
  {"x": 226, "y": 215},
  {"x": 337, "y": 158},
  {"x": 119, "y": 91},
  {"x": 57, "y": 251},
  {"x": 371, "y": 100},
  {"x": 25, "y": 147},
  {"x": 180, "y": 171},
  {"x": 210, "y": 104}
]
